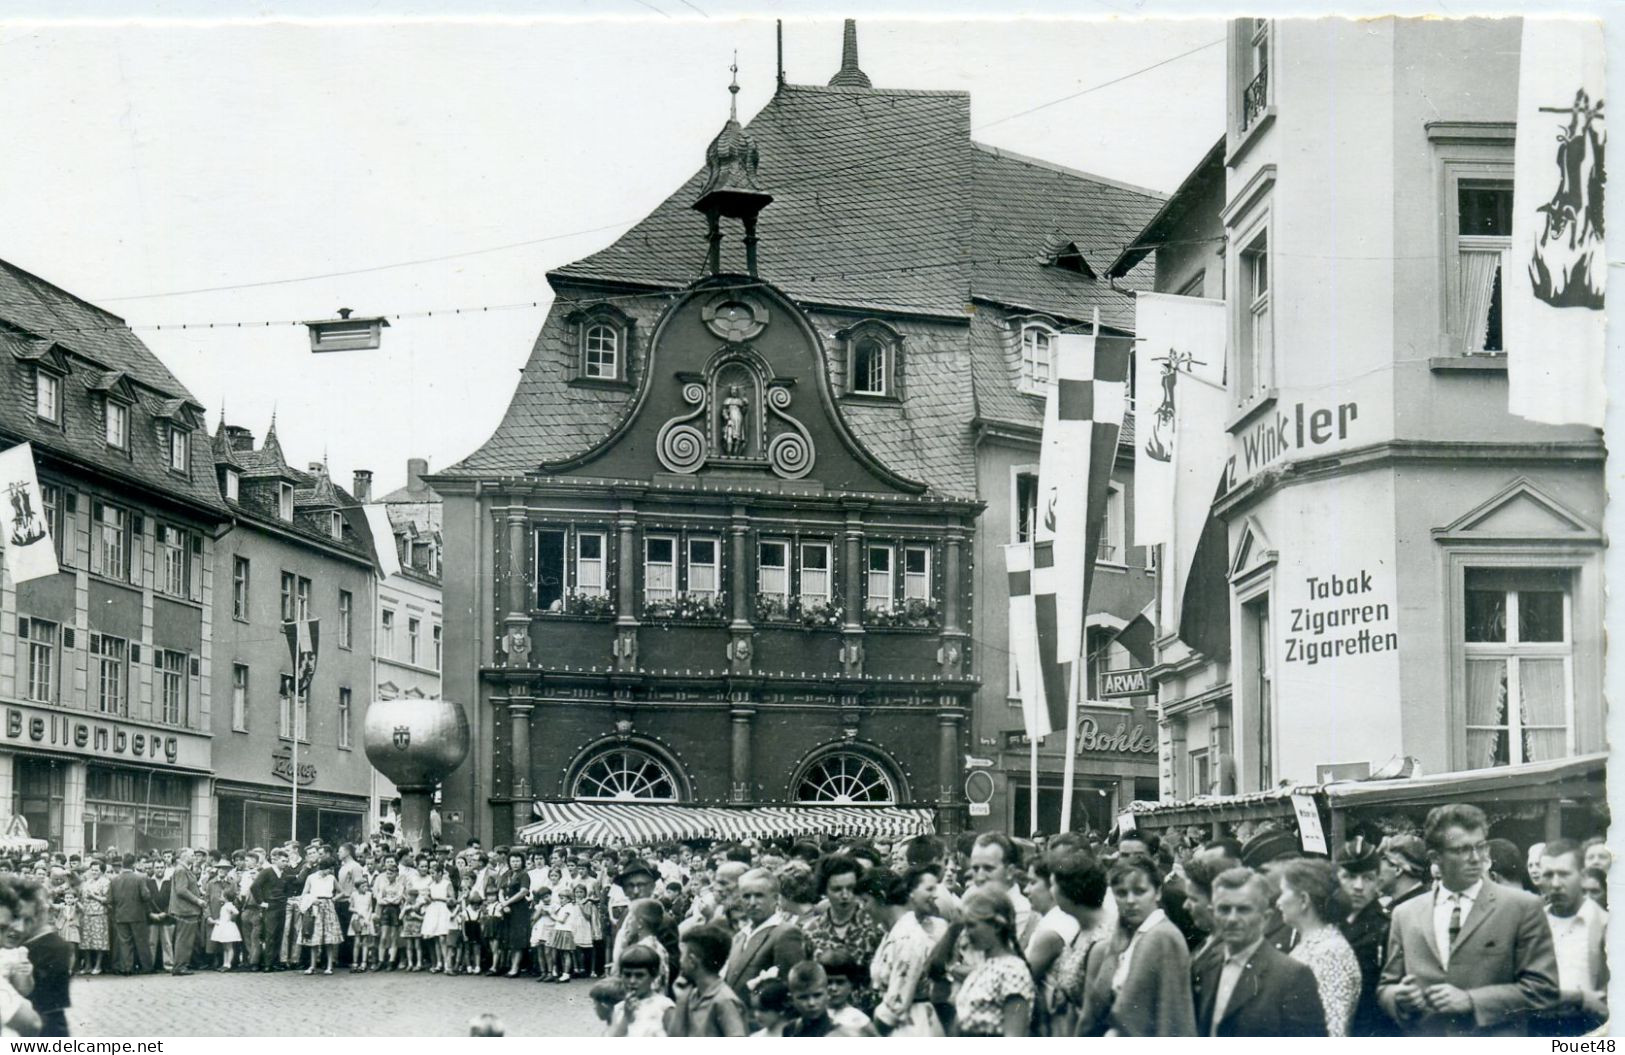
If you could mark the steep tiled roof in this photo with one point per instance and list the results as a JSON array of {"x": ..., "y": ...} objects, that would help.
[
  {"x": 1020, "y": 204},
  {"x": 883, "y": 204},
  {"x": 865, "y": 183},
  {"x": 99, "y": 353}
]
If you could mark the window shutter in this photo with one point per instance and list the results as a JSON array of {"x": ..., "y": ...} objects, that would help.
[
  {"x": 22, "y": 627},
  {"x": 137, "y": 525},
  {"x": 135, "y": 653},
  {"x": 70, "y": 501},
  {"x": 67, "y": 637},
  {"x": 197, "y": 667},
  {"x": 197, "y": 544}
]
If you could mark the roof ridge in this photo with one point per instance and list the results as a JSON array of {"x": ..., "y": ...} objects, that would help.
[
  {"x": 71, "y": 296},
  {"x": 837, "y": 89},
  {"x": 1025, "y": 159}
]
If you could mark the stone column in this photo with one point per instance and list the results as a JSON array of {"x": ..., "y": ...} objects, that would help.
[
  {"x": 739, "y": 771},
  {"x": 739, "y": 565},
  {"x": 519, "y": 708},
  {"x": 73, "y": 810},
  {"x": 853, "y": 592},
  {"x": 626, "y": 588},
  {"x": 948, "y": 767},
  {"x": 515, "y": 595},
  {"x": 951, "y": 649}
]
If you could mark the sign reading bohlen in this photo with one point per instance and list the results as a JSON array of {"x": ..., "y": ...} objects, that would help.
[{"x": 1117, "y": 684}]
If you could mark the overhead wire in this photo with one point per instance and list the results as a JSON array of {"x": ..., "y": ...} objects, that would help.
[{"x": 890, "y": 157}]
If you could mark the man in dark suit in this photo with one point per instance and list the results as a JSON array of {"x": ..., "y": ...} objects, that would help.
[
  {"x": 1475, "y": 958},
  {"x": 130, "y": 908},
  {"x": 52, "y": 960},
  {"x": 1366, "y": 930},
  {"x": 186, "y": 905},
  {"x": 768, "y": 939},
  {"x": 267, "y": 892},
  {"x": 1243, "y": 985}
]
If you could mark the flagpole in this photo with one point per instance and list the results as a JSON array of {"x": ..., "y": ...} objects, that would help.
[
  {"x": 293, "y": 821},
  {"x": 1067, "y": 770},
  {"x": 1032, "y": 790}
]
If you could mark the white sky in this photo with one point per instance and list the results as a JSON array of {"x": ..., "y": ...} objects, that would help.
[{"x": 150, "y": 159}]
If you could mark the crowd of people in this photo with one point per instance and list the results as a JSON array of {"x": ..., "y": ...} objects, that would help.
[{"x": 1442, "y": 932}]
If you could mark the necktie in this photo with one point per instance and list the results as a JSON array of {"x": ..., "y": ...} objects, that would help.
[{"x": 1455, "y": 918}]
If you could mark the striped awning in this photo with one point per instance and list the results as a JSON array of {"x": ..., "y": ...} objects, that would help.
[{"x": 641, "y": 824}]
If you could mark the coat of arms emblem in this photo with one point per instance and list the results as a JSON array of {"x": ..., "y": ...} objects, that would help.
[{"x": 403, "y": 737}]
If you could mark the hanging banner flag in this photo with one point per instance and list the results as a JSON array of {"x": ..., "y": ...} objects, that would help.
[
  {"x": 304, "y": 637},
  {"x": 1199, "y": 469},
  {"x": 1181, "y": 342},
  {"x": 26, "y": 538},
  {"x": 1554, "y": 275},
  {"x": 383, "y": 538},
  {"x": 1063, "y": 462},
  {"x": 1035, "y": 716}
]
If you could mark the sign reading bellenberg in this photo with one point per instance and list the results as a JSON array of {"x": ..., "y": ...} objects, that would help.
[{"x": 83, "y": 734}]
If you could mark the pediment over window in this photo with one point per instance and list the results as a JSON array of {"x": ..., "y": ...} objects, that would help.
[
  {"x": 1252, "y": 552},
  {"x": 114, "y": 385},
  {"x": 44, "y": 354},
  {"x": 1520, "y": 512}
]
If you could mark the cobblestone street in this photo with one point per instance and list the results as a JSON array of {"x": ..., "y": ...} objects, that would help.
[{"x": 290, "y": 1004}]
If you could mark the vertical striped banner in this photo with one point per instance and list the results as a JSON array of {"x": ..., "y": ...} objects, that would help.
[{"x": 1035, "y": 716}]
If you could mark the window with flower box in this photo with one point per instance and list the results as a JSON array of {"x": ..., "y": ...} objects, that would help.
[
  {"x": 793, "y": 583},
  {"x": 572, "y": 572},
  {"x": 682, "y": 577},
  {"x": 899, "y": 590}
]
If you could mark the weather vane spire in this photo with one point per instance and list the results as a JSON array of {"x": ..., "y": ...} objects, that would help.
[{"x": 733, "y": 89}]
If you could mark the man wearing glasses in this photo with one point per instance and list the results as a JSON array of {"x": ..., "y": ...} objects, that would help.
[{"x": 1476, "y": 958}]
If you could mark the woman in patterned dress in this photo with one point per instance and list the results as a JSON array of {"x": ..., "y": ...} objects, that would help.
[
  {"x": 1308, "y": 903},
  {"x": 845, "y": 925},
  {"x": 996, "y": 998},
  {"x": 93, "y": 930},
  {"x": 904, "y": 907}
]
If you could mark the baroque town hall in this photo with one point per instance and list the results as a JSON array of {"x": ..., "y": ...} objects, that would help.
[{"x": 736, "y": 540}]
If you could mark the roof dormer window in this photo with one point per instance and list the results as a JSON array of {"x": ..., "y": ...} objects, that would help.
[
  {"x": 47, "y": 396},
  {"x": 603, "y": 345},
  {"x": 180, "y": 448},
  {"x": 1037, "y": 340},
  {"x": 873, "y": 353},
  {"x": 234, "y": 482},
  {"x": 116, "y": 424},
  {"x": 337, "y": 525},
  {"x": 284, "y": 505}
]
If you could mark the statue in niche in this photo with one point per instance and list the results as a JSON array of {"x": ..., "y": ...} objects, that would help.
[{"x": 734, "y": 435}]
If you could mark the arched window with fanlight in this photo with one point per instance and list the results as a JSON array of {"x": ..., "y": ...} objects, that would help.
[
  {"x": 601, "y": 352},
  {"x": 626, "y": 774},
  {"x": 1036, "y": 349},
  {"x": 845, "y": 779},
  {"x": 873, "y": 360},
  {"x": 602, "y": 336}
]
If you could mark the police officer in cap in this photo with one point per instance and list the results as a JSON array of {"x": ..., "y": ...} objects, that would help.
[{"x": 1365, "y": 927}]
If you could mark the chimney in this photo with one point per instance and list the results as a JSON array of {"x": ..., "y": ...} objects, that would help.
[
  {"x": 241, "y": 439},
  {"x": 850, "y": 76},
  {"x": 415, "y": 468},
  {"x": 362, "y": 490}
]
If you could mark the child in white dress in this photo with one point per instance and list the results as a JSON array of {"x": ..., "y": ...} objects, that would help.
[{"x": 226, "y": 933}]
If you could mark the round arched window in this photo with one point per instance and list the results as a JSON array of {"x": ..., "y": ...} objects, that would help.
[
  {"x": 626, "y": 775},
  {"x": 846, "y": 779}
]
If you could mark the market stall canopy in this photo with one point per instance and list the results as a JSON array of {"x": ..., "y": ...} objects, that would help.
[
  {"x": 627, "y": 824},
  {"x": 1578, "y": 777}
]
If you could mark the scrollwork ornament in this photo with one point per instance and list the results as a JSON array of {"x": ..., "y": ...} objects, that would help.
[{"x": 680, "y": 446}]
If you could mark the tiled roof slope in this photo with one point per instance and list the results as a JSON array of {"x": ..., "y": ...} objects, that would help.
[
  {"x": 865, "y": 183},
  {"x": 1020, "y": 203},
  {"x": 995, "y": 368},
  {"x": 315, "y": 497},
  {"x": 34, "y": 311},
  {"x": 882, "y": 203}
]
